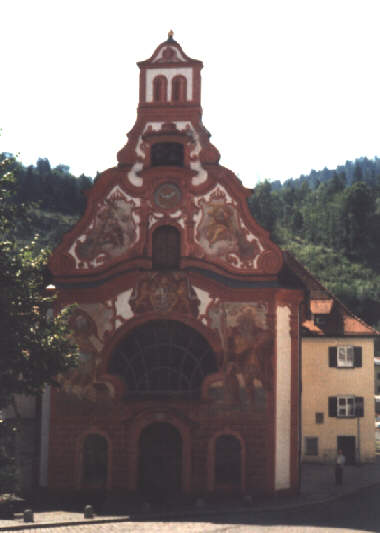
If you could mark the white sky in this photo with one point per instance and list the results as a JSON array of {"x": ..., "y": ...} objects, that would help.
[{"x": 287, "y": 85}]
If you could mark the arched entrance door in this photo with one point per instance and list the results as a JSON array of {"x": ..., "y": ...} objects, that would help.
[{"x": 160, "y": 464}]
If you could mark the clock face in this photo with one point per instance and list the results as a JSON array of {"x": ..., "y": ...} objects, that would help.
[{"x": 167, "y": 196}]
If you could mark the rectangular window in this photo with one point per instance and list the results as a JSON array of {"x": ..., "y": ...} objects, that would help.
[
  {"x": 345, "y": 356},
  {"x": 311, "y": 445},
  {"x": 346, "y": 406},
  {"x": 319, "y": 418}
]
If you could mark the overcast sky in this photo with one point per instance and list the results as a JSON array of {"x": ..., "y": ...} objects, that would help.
[{"x": 287, "y": 85}]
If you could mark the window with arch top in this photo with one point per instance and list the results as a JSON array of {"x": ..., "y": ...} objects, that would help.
[
  {"x": 179, "y": 89},
  {"x": 166, "y": 248},
  {"x": 160, "y": 89}
]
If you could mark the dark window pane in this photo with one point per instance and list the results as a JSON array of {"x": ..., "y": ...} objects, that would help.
[
  {"x": 319, "y": 418},
  {"x": 167, "y": 154},
  {"x": 166, "y": 249},
  {"x": 311, "y": 445}
]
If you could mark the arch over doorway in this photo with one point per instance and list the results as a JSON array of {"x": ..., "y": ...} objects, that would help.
[{"x": 160, "y": 461}]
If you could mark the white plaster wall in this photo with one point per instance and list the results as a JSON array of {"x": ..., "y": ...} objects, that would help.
[
  {"x": 169, "y": 73},
  {"x": 283, "y": 399}
]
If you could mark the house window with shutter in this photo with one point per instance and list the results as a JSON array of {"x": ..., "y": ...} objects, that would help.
[
  {"x": 347, "y": 406},
  {"x": 345, "y": 356},
  {"x": 166, "y": 248}
]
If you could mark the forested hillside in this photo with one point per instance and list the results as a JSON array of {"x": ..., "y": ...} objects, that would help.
[
  {"x": 53, "y": 197},
  {"x": 330, "y": 220}
]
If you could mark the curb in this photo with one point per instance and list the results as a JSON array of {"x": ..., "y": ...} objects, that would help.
[{"x": 148, "y": 517}]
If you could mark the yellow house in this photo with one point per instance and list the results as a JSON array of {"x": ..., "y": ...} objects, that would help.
[{"x": 337, "y": 369}]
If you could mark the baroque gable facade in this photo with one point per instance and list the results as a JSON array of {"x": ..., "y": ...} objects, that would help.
[{"x": 188, "y": 327}]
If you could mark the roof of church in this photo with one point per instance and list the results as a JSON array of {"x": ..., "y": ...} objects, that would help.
[
  {"x": 338, "y": 320},
  {"x": 169, "y": 53}
]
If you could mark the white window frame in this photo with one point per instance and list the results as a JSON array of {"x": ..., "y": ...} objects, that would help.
[
  {"x": 345, "y": 357},
  {"x": 345, "y": 406}
]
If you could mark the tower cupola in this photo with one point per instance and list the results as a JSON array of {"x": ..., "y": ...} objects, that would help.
[{"x": 170, "y": 77}]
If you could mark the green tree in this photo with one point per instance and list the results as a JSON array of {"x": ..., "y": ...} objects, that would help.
[
  {"x": 35, "y": 345},
  {"x": 359, "y": 207},
  {"x": 263, "y": 205}
]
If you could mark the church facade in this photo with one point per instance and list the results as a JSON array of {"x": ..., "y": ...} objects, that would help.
[{"x": 188, "y": 327}]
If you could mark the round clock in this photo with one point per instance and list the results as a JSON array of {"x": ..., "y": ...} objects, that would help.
[{"x": 167, "y": 196}]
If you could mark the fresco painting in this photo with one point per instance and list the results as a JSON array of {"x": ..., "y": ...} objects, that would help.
[
  {"x": 248, "y": 348},
  {"x": 80, "y": 383},
  {"x": 111, "y": 234},
  {"x": 221, "y": 233},
  {"x": 165, "y": 293}
]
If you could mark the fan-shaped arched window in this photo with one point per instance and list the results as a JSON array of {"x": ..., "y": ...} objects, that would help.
[
  {"x": 160, "y": 89},
  {"x": 166, "y": 248},
  {"x": 179, "y": 89},
  {"x": 163, "y": 356}
]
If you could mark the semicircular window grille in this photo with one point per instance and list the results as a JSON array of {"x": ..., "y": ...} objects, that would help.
[{"x": 163, "y": 356}]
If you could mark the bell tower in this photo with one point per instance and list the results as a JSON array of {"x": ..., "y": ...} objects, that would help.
[
  {"x": 168, "y": 131},
  {"x": 170, "y": 78}
]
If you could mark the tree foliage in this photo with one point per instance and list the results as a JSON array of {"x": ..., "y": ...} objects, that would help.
[
  {"x": 35, "y": 345},
  {"x": 330, "y": 220}
]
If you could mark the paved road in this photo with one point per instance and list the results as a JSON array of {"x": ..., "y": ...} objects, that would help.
[{"x": 356, "y": 513}]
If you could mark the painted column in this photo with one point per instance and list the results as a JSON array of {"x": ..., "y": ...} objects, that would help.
[{"x": 283, "y": 399}]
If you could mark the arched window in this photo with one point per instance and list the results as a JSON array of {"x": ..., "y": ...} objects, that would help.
[
  {"x": 95, "y": 459},
  {"x": 179, "y": 89},
  {"x": 163, "y": 356},
  {"x": 166, "y": 248},
  {"x": 160, "y": 89},
  {"x": 227, "y": 462},
  {"x": 167, "y": 154}
]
